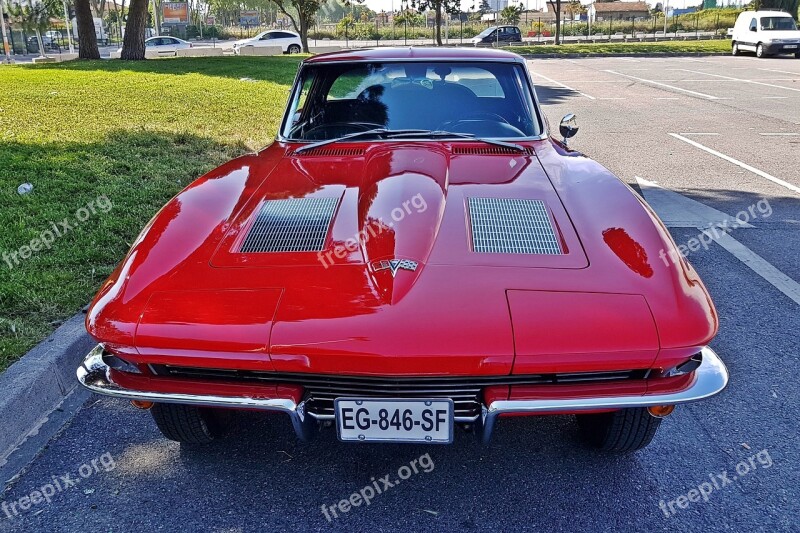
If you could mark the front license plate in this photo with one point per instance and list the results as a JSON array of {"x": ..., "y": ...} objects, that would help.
[
  {"x": 394, "y": 420},
  {"x": 790, "y": 46}
]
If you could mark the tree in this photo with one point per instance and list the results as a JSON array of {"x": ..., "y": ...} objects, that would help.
[
  {"x": 34, "y": 18},
  {"x": 439, "y": 7},
  {"x": 779, "y": 5},
  {"x": 556, "y": 5},
  {"x": 87, "y": 36},
  {"x": 510, "y": 14},
  {"x": 486, "y": 7},
  {"x": 301, "y": 14},
  {"x": 133, "y": 43}
]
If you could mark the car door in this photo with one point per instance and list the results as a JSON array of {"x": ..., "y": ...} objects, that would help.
[
  {"x": 268, "y": 39},
  {"x": 168, "y": 46},
  {"x": 283, "y": 40},
  {"x": 752, "y": 34},
  {"x": 152, "y": 45}
]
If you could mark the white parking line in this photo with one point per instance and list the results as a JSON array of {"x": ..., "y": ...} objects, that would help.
[
  {"x": 779, "y": 134},
  {"x": 610, "y": 98},
  {"x": 775, "y": 97},
  {"x": 551, "y": 80},
  {"x": 759, "y": 265},
  {"x": 666, "y": 98},
  {"x": 781, "y": 71},
  {"x": 697, "y": 133},
  {"x": 651, "y": 82},
  {"x": 736, "y": 162},
  {"x": 741, "y": 80}
]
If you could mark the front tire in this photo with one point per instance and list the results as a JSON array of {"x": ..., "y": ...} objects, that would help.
[
  {"x": 735, "y": 48},
  {"x": 626, "y": 430},
  {"x": 760, "y": 50},
  {"x": 293, "y": 49},
  {"x": 189, "y": 424}
]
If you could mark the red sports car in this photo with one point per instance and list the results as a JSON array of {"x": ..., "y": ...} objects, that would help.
[{"x": 415, "y": 253}]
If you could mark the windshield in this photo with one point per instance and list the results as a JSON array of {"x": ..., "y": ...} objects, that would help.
[
  {"x": 486, "y": 32},
  {"x": 778, "y": 23},
  {"x": 483, "y": 99}
]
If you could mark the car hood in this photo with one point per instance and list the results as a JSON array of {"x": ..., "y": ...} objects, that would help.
[
  {"x": 788, "y": 34},
  {"x": 387, "y": 258}
]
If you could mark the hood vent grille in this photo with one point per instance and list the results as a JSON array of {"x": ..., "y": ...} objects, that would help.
[
  {"x": 291, "y": 225},
  {"x": 489, "y": 150},
  {"x": 512, "y": 226},
  {"x": 331, "y": 152}
]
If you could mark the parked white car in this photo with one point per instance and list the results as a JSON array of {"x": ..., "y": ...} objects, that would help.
[
  {"x": 289, "y": 41},
  {"x": 765, "y": 33},
  {"x": 164, "y": 45}
]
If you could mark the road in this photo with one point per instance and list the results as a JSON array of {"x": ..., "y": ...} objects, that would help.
[{"x": 682, "y": 131}]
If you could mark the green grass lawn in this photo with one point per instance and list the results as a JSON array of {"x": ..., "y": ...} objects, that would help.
[
  {"x": 133, "y": 133},
  {"x": 715, "y": 46}
]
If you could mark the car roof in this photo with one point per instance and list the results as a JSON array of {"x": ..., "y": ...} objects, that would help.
[
  {"x": 407, "y": 53},
  {"x": 767, "y": 13}
]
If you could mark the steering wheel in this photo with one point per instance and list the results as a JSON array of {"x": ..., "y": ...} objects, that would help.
[{"x": 340, "y": 129}]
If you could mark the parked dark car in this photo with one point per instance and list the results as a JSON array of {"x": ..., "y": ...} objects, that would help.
[
  {"x": 49, "y": 45},
  {"x": 498, "y": 34}
]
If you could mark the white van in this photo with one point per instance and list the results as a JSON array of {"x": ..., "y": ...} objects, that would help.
[{"x": 766, "y": 33}]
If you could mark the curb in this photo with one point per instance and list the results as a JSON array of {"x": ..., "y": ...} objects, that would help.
[
  {"x": 624, "y": 54},
  {"x": 38, "y": 383}
]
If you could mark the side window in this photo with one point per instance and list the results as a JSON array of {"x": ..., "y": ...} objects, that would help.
[
  {"x": 266, "y": 37},
  {"x": 753, "y": 25}
]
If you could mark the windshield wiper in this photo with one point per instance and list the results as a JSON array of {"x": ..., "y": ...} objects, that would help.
[
  {"x": 440, "y": 133},
  {"x": 368, "y": 133}
]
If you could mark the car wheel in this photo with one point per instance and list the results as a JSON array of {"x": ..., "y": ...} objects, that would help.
[
  {"x": 760, "y": 50},
  {"x": 189, "y": 424},
  {"x": 626, "y": 430},
  {"x": 294, "y": 49},
  {"x": 735, "y": 48}
]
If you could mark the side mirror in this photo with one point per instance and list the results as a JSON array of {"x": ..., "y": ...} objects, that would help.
[{"x": 568, "y": 127}]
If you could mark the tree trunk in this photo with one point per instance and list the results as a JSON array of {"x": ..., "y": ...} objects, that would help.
[
  {"x": 558, "y": 28},
  {"x": 303, "y": 33},
  {"x": 87, "y": 37},
  {"x": 133, "y": 43},
  {"x": 42, "y": 52},
  {"x": 438, "y": 23}
]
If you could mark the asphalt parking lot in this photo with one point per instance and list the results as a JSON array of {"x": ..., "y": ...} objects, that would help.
[{"x": 701, "y": 138}]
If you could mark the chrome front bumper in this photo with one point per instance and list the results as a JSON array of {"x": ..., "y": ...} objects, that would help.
[{"x": 710, "y": 378}]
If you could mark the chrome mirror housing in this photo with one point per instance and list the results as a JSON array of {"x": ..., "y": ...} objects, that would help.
[{"x": 568, "y": 127}]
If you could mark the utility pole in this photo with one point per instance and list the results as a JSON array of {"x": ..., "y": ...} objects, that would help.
[
  {"x": 69, "y": 28},
  {"x": 666, "y": 2},
  {"x": 8, "y": 59}
]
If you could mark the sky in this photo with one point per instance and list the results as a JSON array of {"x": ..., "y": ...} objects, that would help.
[{"x": 466, "y": 5}]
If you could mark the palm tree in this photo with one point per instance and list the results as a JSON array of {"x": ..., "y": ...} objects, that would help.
[{"x": 511, "y": 14}]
